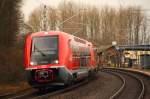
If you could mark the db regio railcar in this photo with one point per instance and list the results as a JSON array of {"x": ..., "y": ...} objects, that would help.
[{"x": 56, "y": 58}]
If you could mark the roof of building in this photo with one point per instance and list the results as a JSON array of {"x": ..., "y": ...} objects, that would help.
[{"x": 134, "y": 47}]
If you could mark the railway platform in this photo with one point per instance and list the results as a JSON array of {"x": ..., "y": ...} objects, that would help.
[
  {"x": 139, "y": 70},
  {"x": 144, "y": 71}
]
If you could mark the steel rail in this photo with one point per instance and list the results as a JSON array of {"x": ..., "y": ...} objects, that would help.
[
  {"x": 119, "y": 91},
  {"x": 59, "y": 91},
  {"x": 131, "y": 75},
  {"x": 139, "y": 80},
  {"x": 62, "y": 90},
  {"x": 8, "y": 95}
]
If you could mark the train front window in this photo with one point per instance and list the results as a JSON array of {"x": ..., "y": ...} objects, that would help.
[{"x": 44, "y": 50}]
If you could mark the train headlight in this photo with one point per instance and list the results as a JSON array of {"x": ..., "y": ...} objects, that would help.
[
  {"x": 32, "y": 63},
  {"x": 56, "y": 61}
]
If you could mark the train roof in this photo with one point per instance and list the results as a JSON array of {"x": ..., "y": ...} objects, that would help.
[{"x": 77, "y": 39}]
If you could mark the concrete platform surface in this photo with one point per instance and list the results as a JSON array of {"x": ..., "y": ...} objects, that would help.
[{"x": 144, "y": 71}]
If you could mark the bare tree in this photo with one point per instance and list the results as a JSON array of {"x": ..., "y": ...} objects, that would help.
[
  {"x": 93, "y": 23},
  {"x": 35, "y": 19},
  {"x": 143, "y": 32},
  {"x": 52, "y": 18},
  {"x": 137, "y": 24},
  {"x": 9, "y": 21},
  {"x": 67, "y": 17},
  {"x": 101, "y": 26}
]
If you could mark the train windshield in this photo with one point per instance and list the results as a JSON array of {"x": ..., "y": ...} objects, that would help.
[{"x": 44, "y": 50}]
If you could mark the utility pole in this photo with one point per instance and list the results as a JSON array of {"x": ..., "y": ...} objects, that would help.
[{"x": 44, "y": 20}]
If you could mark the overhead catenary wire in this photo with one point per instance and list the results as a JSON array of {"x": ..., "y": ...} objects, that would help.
[{"x": 68, "y": 19}]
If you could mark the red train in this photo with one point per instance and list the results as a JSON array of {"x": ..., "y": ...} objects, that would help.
[{"x": 57, "y": 58}]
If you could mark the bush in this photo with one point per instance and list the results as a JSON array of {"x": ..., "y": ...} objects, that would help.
[{"x": 11, "y": 65}]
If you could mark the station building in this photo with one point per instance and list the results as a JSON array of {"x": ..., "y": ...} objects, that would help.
[{"x": 125, "y": 56}]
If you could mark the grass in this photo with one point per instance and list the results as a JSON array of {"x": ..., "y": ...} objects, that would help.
[{"x": 13, "y": 88}]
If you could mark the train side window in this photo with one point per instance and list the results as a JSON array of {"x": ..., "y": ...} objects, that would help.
[
  {"x": 83, "y": 59},
  {"x": 69, "y": 43}
]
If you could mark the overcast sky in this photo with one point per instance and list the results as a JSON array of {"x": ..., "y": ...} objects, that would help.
[{"x": 30, "y": 5}]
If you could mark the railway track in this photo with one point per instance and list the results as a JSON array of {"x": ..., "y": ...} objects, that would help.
[
  {"x": 122, "y": 86},
  {"x": 19, "y": 95},
  {"x": 132, "y": 85},
  {"x": 135, "y": 85},
  {"x": 25, "y": 91},
  {"x": 62, "y": 90},
  {"x": 35, "y": 94}
]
